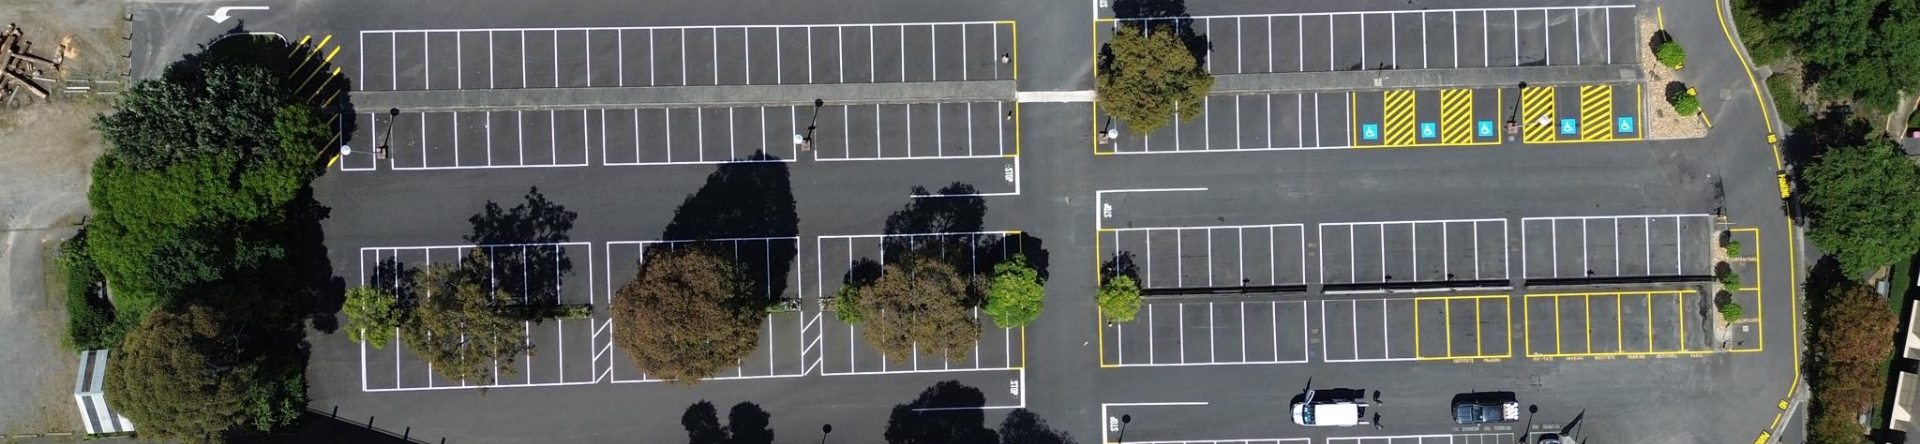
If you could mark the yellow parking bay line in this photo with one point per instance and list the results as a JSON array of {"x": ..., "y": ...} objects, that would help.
[
  {"x": 1619, "y": 323},
  {"x": 1447, "y": 322}
]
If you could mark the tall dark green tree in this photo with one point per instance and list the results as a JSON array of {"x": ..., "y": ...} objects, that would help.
[
  {"x": 1148, "y": 75},
  {"x": 1863, "y": 205},
  {"x": 460, "y": 325}
]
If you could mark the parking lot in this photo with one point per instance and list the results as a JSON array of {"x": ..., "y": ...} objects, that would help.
[
  {"x": 1604, "y": 324},
  {"x": 1413, "y": 39},
  {"x": 687, "y": 135},
  {"x": 1249, "y": 122},
  {"x": 1177, "y": 332},
  {"x": 1586, "y": 113},
  {"x": 839, "y": 348},
  {"x": 1413, "y": 251},
  {"x": 770, "y": 262},
  {"x": 1408, "y": 329},
  {"x": 488, "y": 58},
  {"x": 1457, "y": 117},
  {"x": 1466, "y": 438},
  {"x": 562, "y": 349},
  {"x": 1210, "y": 257},
  {"x": 1616, "y": 246}
]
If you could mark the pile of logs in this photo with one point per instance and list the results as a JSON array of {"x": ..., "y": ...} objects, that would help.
[{"x": 18, "y": 65}]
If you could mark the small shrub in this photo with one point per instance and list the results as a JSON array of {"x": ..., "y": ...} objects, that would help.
[
  {"x": 1733, "y": 248},
  {"x": 91, "y": 323},
  {"x": 371, "y": 316},
  {"x": 843, "y": 307},
  {"x": 1671, "y": 54},
  {"x": 1119, "y": 299},
  {"x": 1731, "y": 281},
  {"x": 1685, "y": 104},
  {"x": 1730, "y": 312}
]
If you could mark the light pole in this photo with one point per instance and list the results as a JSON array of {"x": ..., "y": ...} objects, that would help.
[
  {"x": 824, "y": 430},
  {"x": 380, "y": 152},
  {"x": 1124, "y": 419},
  {"x": 807, "y": 143}
]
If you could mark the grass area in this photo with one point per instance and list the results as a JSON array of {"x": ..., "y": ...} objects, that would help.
[{"x": 1791, "y": 110}]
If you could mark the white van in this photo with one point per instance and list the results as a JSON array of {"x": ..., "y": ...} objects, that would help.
[{"x": 1336, "y": 412}]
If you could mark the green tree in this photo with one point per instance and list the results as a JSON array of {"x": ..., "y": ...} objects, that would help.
[
  {"x": 1119, "y": 299},
  {"x": 372, "y": 315},
  {"x": 844, "y": 306},
  {"x": 689, "y": 313},
  {"x": 1016, "y": 296},
  {"x": 91, "y": 323},
  {"x": 1671, "y": 54},
  {"x": 182, "y": 375},
  {"x": 919, "y": 301},
  {"x": 165, "y": 220},
  {"x": 459, "y": 325},
  {"x": 1862, "y": 204},
  {"x": 1148, "y": 75},
  {"x": 1684, "y": 104},
  {"x": 1731, "y": 312}
]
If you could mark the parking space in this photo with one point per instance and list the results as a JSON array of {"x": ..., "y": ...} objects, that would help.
[
  {"x": 1368, "y": 330},
  {"x": 1411, "y": 39},
  {"x": 1579, "y": 113},
  {"x": 1748, "y": 333},
  {"x": 1618, "y": 324},
  {"x": 1425, "y": 328},
  {"x": 1213, "y": 332},
  {"x": 1472, "y": 438},
  {"x": 490, "y": 58},
  {"x": 689, "y": 135},
  {"x": 1446, "y": 117},
  {"x": 1413, "y": 251},
  {"x": 534, "y": 273},
  {"x": 1249, "y": 122},
  {"x": 1637, "y": 246},
  {"x": 1209, "y": 257},
  {"x": 770, "y": 262},
  {"x": 957, "y": 130},
  {"x": 1463, "y": 327},
  {"x": 838, "y": 349}
]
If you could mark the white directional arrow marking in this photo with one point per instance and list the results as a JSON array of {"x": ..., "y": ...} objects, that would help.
[{"x": 220, "y": 15}]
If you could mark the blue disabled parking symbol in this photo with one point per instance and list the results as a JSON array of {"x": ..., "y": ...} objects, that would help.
[
  {"x": 1569, "y": 127},
  {"x": 1428, "y": 131},
  {"x": 1484, "y": 128},
  {"x": 1626, "y": 124},
  {"x": 1370, "y": 131}
]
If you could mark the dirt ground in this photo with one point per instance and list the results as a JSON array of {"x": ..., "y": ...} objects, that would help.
[
  {"x": 46, "y": 148},
  {"x": 1665, "y": 123}
]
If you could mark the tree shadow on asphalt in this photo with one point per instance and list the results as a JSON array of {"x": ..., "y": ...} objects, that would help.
[
  {"x": 1025, "y": 427},
  {"x": 519, "y": 243},
  {"x": 317, "y": 427},
  {"x": 750, "y": 199},
  {"x": 1034, "y": 248},
  {"x": 1120, "y": 265},
  {"x": 747, "y": 423},
  {"x": 951, "y": 210},
  {"x": 948, "y": 412}
]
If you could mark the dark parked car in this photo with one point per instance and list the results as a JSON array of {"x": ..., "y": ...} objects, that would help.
[{"x": 1482, "y": 408}]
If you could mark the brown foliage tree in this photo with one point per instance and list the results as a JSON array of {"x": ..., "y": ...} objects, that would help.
[
  {"x": 460, "y": 324},
  {"x": 1854, "y": 326},
  {"x": 689, "y": 313},
  {"x": 179, "y": 375},
  {"x": 919, "y": 300}
]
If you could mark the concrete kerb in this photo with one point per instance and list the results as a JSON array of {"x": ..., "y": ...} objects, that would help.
[
  {"x": 1502, "y": 77},
  {"x": 687, "y": 96}
]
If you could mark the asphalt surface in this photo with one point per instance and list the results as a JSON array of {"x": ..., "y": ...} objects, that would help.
[{"x": 1562, "y": 265}]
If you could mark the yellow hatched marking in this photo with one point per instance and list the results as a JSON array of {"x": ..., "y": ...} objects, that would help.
[
  {"x": 1596, "y": 112},
  {"x": 1456, "y": 116},
  {"x": 1536, "y": 113},
  {"x": 1397, "y": 123}
]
